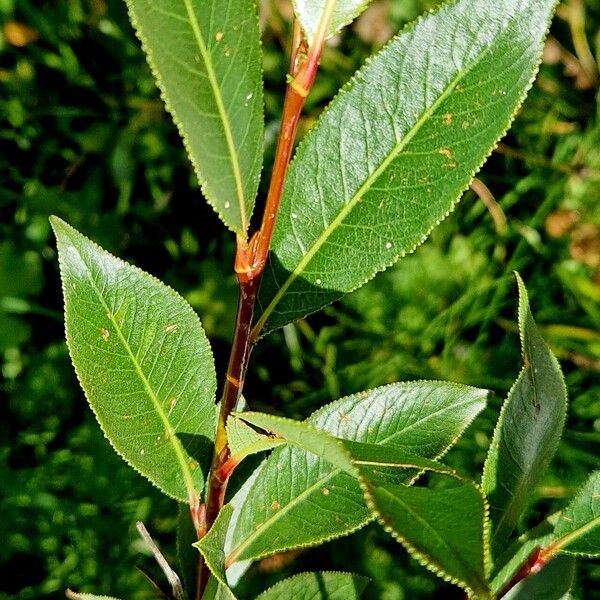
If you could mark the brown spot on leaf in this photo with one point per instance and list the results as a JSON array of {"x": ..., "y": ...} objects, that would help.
[
  {"x": 445, "y": 152},
  {"x": 275, "y": 505},
  {"x": 219, "y": 36},
  {"x": 171, "y": 328},
  {"x": 105, "y": 334},
  {"x": 325, "y": 491},
  {"x": 448, "y": 119}
]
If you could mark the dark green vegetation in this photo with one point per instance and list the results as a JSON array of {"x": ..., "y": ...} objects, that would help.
[{"x": 87, "y": 139}]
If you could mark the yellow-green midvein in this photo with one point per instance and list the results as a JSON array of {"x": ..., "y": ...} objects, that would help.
[
  {"x": 169, "y": 432},
  {"x": 214, "y": 84},
  {"x": 349, "y": 206}
]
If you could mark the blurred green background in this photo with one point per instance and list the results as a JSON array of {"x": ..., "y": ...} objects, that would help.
[{"x": 84, "y": 136}]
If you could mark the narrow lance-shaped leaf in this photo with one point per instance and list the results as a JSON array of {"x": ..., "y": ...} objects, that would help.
[
  {"x": 528, "y": 430},
  {"x": 76, "y": 596},
  {"x": 355, "y": 458},
  {"x": 206, "y": 58},
  {"x": 299, "y": 499},
  {"x": 311, "y": 12},
  {"x": 317, "y": 586},
  {"x": 578, "y": 528},
  {"x": 144, "y": 363},
  {"x": 391, "y": 156},
  {"x": 444, "y": 529}
]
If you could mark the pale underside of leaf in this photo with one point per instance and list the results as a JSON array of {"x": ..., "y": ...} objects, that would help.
[
  {"x": 206, "y": 59},
  {"x": 392, "y": 154},
  {"x": 142, "y": 359}
]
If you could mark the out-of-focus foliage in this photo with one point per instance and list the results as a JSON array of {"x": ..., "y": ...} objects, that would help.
[{"x": 84, "y": 135}]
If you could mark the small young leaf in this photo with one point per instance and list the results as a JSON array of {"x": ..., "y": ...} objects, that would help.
[
  {"x": 211, "y": 547},
  {"x": 578, "y": 528},
  {"x": 317, "y": 586},
  {"x": 444, "y": 529},
  {"x": 299, "y": 499},
  {"x": 206, "y": 58},
  {"x": 339, "y": 13},
  {"x": 528, "y": 430},
  {"x": 144, "y": 363},
  {"x": 244, "y": 441},
  {"x": 391, "y": 156},
  {"x": 553, "y": 582}
]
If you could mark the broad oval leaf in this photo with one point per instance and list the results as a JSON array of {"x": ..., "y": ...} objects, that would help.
[
  {"x": 317, "y": 586},
  {"x": 299, "y": 499},
  {"x": 578, "y": 528},
  {"x": 528, "y": 430},
  {"x": 445, "y": 529},
  {"x": 391, "y": 156},
  {"x": 338, "y": 13},
  {"x": 206, "y": 58},
  {"x": 143, "y": 361}
]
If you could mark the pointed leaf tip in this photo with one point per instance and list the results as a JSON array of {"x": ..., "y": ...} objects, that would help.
[{"x": 132, "y": 340}]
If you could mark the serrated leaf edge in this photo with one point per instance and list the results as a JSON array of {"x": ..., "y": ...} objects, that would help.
[
  {"x": 261, "y": 328},
  {"x": 361, "y": 578},
  {"x": 421, "y": 557},
  {"x": 233, "y": 153},
  {"x": 232, "y": 557},
  {"x": 173, "y": 439}
]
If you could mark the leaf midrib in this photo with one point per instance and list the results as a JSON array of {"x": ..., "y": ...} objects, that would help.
[
  {"x": 169, "y": 430},
  {"x": 233, "y": 155},
  {"x": 233, "y": 555},
  {"x": 364, "y": 188}
]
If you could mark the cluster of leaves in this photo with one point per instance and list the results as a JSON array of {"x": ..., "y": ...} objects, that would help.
[{"x": 192, "y": 446}]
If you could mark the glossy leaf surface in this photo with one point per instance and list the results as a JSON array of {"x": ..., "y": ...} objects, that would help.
[
  {"x": 337, "y": 12},
  {"x": 391, "y": 156},
  {"x": 578, "y": 528},
  {"x": 444, "y": 529},
  {"x": 206, "y": 58},
  {"x": 317, "y": 586},
  {"x": 528, "y": 430},
  {"x": 144, "y": 363},
  {"x": 299, "y": 499}
]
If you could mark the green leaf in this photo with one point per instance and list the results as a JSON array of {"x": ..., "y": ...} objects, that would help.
[
  {"x": 528, "y": 430},
  {"x": 244, "y": 441},
  {"x": 553, "y": 582},
  {"x": 391, "y": 156},
  {"x": 443, "y": 529},
  {"x": 317, "y": 586},
  {"x": 206, "y": 58},
  {"x": 144, "y": 363},
  {"x": 211, "y": 547},
  {"x": 355, "y": 458},
  {"x": 217, "y": 591},
  {"x": 339, "y": 13},
  {"x": 299, "y": 499},
  {"x": 578, "y": 528}
]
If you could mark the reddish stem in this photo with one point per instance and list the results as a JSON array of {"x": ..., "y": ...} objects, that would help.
[{"x": 250, "y": 260}]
